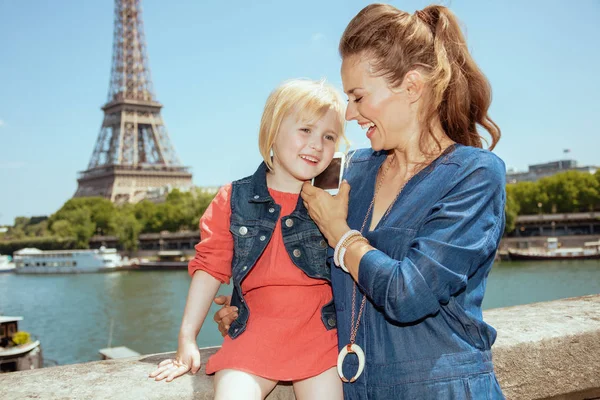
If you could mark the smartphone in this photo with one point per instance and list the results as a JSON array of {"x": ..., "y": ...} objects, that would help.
[{"x": 331, "y": 179}]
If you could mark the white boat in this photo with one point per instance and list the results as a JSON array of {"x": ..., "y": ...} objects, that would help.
[
  {"x": 552, "y": 251},
  {"x": 6, "y": 265},
  {"x": 35, "y": 261},
  {"x": 17, "y": 357}
]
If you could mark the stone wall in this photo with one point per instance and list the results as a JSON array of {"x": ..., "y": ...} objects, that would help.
[{"x": 544, "y": 351}]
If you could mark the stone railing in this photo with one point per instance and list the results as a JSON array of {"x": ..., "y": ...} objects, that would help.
[{"x": 544, "y": 351}]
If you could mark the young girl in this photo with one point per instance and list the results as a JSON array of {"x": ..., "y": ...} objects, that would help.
[{"x": 258, "y": 232}]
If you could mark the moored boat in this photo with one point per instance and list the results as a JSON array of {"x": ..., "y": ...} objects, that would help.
[
  {"x": 18, "y": 351},
  {"x": 35, "y": 261},
  {"x": 6, "y": 264},
  {"x": 590, "y": 251}
]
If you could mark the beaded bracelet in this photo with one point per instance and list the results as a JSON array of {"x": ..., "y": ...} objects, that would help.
[
  {"x": 336, "y": 252},
  {"x": 344, "y": 248}
]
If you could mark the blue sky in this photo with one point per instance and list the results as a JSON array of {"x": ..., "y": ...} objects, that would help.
[{"x": 214, "y": 63}]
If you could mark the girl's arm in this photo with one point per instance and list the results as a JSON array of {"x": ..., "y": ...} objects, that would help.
[
  {"x": 209, "y": 268},
  {"x": 202, "y": 291}
]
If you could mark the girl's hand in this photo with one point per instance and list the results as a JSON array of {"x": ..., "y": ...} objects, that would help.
[
  {"x": 187, "y": 358},
  {"x": 329, "y": 212}
]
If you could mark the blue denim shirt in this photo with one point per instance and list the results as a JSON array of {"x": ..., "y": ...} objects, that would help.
[
  {"x": 422, "y": 330},
  {"x": 254, "y": 215}
]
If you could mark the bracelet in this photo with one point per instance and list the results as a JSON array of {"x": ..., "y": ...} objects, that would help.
[
  {"x": 339, "y": 244},
  {"x": 344, "y": 249}
]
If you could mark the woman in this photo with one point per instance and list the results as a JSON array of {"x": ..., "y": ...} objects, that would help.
[{"x": 420, "y": 218}]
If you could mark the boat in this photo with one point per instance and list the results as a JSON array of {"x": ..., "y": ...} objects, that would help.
[
  {"x": 552, "y": 251},
  {"x": 6, "y": 264},
  {"x": 18, "y": 351},
  {"x": 168, "y": 260},
  {"x": 35, "y": 261},
  {"x": 112, "y": 353}
]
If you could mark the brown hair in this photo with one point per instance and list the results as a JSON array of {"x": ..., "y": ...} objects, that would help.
[{"x": 430, "y": 40}]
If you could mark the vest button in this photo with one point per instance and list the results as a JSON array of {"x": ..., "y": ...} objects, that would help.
[
  {"x": 331, "y": 322},
  {"x": 263, "y": 238},
  {"x": 271, "y": 210},
  {"x": 243, "y": 230},
  {"x": 289, "y": 223},
  {"x": 256, "y": 196},
  {"x": 245, "y": 267},
  {"x": 296, "y": 252},
  {"x": 323, "y": 243}
]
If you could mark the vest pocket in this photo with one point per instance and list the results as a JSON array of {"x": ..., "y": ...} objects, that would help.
[{"x": 243, "y": 230}]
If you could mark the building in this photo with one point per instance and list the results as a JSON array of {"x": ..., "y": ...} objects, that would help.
[{"x": 538, "y": 171}]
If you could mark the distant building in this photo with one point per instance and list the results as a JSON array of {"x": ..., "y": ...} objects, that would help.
[
  {"x": 159, "y": 195},
  {"x": 538, "y": 171}
]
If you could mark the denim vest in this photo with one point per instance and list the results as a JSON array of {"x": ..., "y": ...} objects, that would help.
[{"x": 254, "y": 215}]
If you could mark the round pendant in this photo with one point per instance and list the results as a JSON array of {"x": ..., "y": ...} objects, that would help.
[{"x": 351, "y": 348}]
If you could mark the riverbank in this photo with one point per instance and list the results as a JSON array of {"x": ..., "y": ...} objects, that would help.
[
  {"x": 72, "y": 314},
  {"x": 553, "y": 361}
]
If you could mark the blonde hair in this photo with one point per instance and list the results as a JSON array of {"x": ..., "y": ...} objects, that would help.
[
  {"x": 431, "y": 40},
  {"x": 310, "y": 99}
]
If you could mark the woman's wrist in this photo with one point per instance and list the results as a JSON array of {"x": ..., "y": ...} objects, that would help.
[{"x": 337, "y": 231}]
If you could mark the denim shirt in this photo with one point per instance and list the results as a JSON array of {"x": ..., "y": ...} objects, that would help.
[
  {"x": 254, "y": 215},
  {"x": 422, "y": 330}
]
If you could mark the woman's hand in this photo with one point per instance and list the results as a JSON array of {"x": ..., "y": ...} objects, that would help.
[
  {"x": 329, "y": 212},
  {"x": 226, "y": 315},
  {"x": 187, "y": 358}
]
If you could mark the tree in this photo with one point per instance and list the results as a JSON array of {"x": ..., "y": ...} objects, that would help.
[
  {"x": 101, "y": 210},
  {"x": 511, "y": 209},
  {"x": 127, "y": 227},
  {"x": 77, "y": 224}
]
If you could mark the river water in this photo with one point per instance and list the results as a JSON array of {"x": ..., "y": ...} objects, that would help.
[{"x": 72, "y": 315}]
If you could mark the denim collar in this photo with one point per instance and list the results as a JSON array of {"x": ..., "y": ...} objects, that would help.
[{"x": 260, "y": 191}]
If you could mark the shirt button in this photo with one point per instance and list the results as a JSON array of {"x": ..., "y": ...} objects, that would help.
[
  {"x": 296, "y": 252},
  {"x": 331, "y": 322},
  {"x": 243, "y": 230},
  {"x": 245, "y": 267},
  {"x": 271, "y": 210},
  {"x": 289, "y": 223},
  {"x": 263, "y": 238},
  {"x": 256, "y": 196}
]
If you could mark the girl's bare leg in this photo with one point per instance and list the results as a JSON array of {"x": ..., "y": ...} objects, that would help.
[
  {"x": 237, "y": 385},
  {"x": 326, "y": 385}
]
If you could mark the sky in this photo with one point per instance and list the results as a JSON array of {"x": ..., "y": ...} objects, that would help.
[{"x": 214, "y": 63}]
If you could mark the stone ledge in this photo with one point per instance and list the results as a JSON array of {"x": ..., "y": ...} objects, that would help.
[{"x": 544, "y": 351}]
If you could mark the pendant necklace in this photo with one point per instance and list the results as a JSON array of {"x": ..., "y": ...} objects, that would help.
[{"x": 352, "y": 347}]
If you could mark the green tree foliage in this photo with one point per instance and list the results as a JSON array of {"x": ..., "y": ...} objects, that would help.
[
  {"x": 567, "y": 192},
  {"x": 511, "y": 209},
  {"x": 76, "y": 223},
  {"x": 127, "y": 227},
  {"x": 27, "y": 227},
  {"x": 102, "y": 211}
]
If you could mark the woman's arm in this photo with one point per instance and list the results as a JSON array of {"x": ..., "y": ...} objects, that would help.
[{"x": 461, "y": 232}]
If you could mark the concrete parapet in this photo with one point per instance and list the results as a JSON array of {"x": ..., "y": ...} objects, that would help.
[{"x": 545, "y": 350}]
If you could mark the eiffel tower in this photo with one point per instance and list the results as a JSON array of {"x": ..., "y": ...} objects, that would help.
[{"x": 133, "y": 158}]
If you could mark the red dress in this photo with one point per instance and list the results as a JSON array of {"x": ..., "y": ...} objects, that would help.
[{"x": 285, "y": 339}]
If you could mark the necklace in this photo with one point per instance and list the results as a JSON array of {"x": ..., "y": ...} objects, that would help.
[{"x": 352, "y": 347}]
